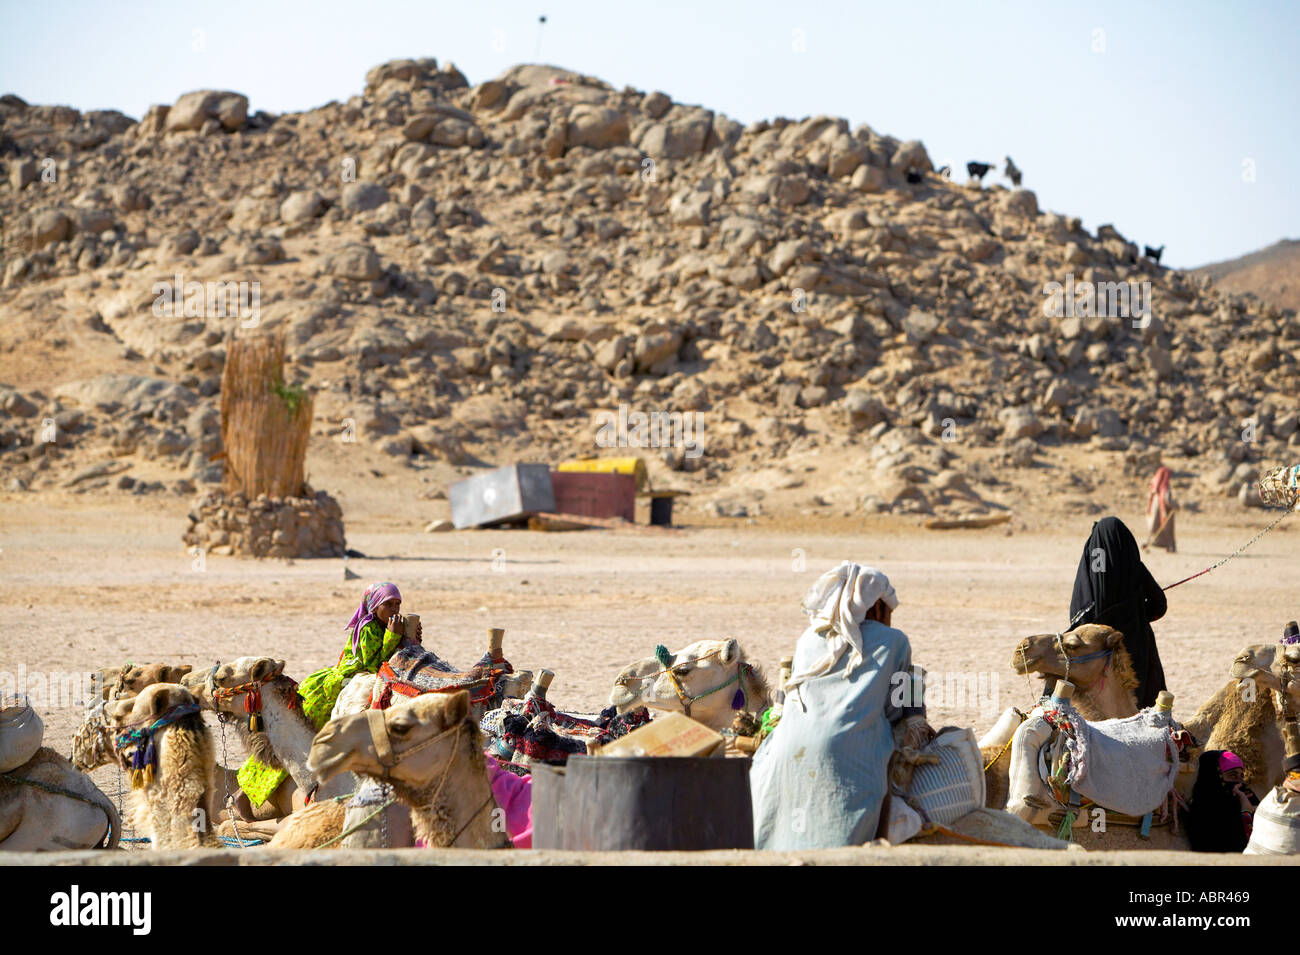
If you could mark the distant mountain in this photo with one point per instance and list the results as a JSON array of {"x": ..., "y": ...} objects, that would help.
[{"x": 1272, "y": 273}]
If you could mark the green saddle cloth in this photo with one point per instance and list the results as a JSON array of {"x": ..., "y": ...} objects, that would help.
[{"x": 258, "y": 780}]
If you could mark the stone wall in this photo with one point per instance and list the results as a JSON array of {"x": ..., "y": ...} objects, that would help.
[{"x": 308, "y": 526}]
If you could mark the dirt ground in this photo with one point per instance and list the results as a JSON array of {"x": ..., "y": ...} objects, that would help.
[{"x": 90, "y": 581}]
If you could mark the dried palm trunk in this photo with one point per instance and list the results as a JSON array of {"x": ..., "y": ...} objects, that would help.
[{"x": 264, "y": 424}]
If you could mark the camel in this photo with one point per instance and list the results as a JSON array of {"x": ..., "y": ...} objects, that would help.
[
  {"x": 92, "y": 744},
  {"x": 431, "y": 752},
  {"x": 46, "y": 804},
  {"x": 709, "y": 680},
  {"x": 283, "y": 741},
  {"x": 173, "y": 766},
  {"x": 115, "y": 683},
  {"x": 1095, "y": 660}
]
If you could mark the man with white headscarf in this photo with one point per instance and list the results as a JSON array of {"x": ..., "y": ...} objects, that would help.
[{"x": 820, "y": 779}]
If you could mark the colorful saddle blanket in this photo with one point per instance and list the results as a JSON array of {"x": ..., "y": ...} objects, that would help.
[
  {"x": 413, "y": 670},
  {"x": 536, "y": 729}
]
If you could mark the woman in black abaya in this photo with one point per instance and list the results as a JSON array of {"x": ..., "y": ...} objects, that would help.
[{"x": 1113, "y": 587}]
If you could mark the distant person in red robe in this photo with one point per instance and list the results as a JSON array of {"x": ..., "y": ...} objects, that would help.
[{"x": 1160, "y": 511}]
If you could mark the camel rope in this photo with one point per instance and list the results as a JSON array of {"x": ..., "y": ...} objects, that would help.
[{"x": 1220, "y": 563}]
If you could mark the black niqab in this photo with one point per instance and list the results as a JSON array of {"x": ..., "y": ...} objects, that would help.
[
  {"x": 1214, "y": 822},
  {"x": 1122, "y": 594}
]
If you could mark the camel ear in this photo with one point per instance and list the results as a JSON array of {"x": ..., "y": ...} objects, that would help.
[
  {"x": 181, "y": 671},
  {"x": 1116, "y": 639},
  {"x": 263, "y": 669},
  {"x": 730, "y": 652},
  {"x": 457, "y": 708},
  {"x": 279, "y": 667}
]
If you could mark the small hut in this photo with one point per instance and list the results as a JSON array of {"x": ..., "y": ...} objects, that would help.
[{"x": 266, "y": 508}]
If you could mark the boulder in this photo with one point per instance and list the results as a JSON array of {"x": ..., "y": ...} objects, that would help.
[
  {"x": 597, "y": 127},
  {"x": 193, "y": 110},
  {"x": 301, "y": 206},
  {"x": 362, "y": 196},
  {"x": 356, "y": 262}
]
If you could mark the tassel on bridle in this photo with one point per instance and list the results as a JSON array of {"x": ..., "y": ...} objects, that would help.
[{"x": 253, "y": 707}]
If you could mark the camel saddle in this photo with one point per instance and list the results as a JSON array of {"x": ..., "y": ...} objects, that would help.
[{"x": 412, "y": 670}]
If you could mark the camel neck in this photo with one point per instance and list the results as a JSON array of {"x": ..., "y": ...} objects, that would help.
[{"x": 290, "y": 734}]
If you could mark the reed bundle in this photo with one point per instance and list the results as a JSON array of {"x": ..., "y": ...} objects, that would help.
[{"x": 265, "y": 424}]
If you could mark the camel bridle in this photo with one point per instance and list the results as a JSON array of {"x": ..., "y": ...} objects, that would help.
[
  {"x": 743, "y": 670},
  {"x": 389, "y": 759}
]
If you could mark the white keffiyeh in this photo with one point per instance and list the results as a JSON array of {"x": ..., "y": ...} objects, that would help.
[{"x": 837, "y": 604}]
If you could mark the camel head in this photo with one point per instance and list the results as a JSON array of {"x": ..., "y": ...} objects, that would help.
[
  {"x": 152, "y": 703},
  {"x": 125, "y": 681},
  {"x": 347, "y": 744},
  {"x": 228, "y": 676},
  {"x": 1271, "y": 666},
  {"x": 1089, "y": 651},
  {"x": 711, "y": 674}
]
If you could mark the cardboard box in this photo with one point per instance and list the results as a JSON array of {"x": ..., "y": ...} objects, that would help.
[{"x": 672, "y": 734}]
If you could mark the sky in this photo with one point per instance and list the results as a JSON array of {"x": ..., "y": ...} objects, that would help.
[{"x": 1174, "y": 121}]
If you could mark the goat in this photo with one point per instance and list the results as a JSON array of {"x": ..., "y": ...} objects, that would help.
[
  {"x": 1154, "y": 254},
  {"x": 946, "y": 171},
  {"x": 1012, "y": 172},
  {"x": 914, "y": 176},
  {"x": 977, "y": 170}
]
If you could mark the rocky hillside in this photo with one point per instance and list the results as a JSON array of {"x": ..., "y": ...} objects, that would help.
[
  {"x": 1273, "y": 274},
  {"x": 469, "y": 274}
]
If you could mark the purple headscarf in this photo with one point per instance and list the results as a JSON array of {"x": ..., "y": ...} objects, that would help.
[{"x": 375, "y": 595}]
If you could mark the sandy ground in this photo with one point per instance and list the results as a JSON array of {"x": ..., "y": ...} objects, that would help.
[{"x": 90, "y": 581}]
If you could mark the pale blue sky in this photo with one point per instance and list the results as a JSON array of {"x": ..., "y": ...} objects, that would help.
[{"x": 1149, "y": 131}]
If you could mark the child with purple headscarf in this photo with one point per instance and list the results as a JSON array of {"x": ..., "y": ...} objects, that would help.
[{"x": 375, "y": 631}]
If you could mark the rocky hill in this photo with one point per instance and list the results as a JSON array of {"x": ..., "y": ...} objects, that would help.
[
  {"x": 1272, "y": 274},
  {"x": 470, "y": 274}
]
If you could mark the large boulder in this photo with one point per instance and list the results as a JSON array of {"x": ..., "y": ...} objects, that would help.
[
  {"x": 362, "y": 196},
  {"x": 598, "y": 127},
  {"x": 111, "y": 392},
  {"x": 194, "y": 109},
  {"x": 356, "y": 262}
]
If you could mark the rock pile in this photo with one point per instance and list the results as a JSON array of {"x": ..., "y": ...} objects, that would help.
[
  {"x": 308, "y": 526},
  {"x": 562, "y": 248}
]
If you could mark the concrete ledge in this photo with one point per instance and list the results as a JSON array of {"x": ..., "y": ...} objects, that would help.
[{"x": 901, "y": 855}]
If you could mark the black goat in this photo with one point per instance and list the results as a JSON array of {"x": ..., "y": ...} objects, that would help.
[
  {"x": 1012, "y": 172},
  {"x": 1154, "y": 254},
  {"x": 977, "y": 170},
  {"x": 914, "y": 176}
]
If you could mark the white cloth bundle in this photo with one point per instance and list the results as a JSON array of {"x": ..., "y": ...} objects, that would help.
[
  {"x": 837, "y": 604},
  {"x": 1127, "y": 765}
]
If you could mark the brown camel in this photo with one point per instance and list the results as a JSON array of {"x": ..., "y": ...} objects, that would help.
[
  {"x": 703, "y": 680},
  {"x": 283, "y": 740},
  {"x": 176, "y": 802},
  {"x": 431, "y": 752},
  {"x": 1099, "y": 666},
  {"x": 92, "y": 744}
]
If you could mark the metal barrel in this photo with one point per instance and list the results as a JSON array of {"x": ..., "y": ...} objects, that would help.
[{"x": 620, "y": 803}]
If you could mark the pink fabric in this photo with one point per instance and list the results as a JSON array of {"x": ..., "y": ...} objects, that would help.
[
  {"x": 514, "y": 794},
  {"x": 375, "y": 595},
  {"x": 1229, "y": 760}
]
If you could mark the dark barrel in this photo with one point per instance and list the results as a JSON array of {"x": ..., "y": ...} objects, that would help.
[
  {"x": 661, "y": 511},
  {"x": 654, "y": 803}
]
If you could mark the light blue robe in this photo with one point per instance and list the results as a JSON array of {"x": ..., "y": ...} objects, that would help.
[{"x": 820, "y": 779}]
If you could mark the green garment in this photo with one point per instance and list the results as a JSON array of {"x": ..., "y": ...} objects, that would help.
[
  {"x": 259, "y": 781},
  {"x": 320, "y": 690}
]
